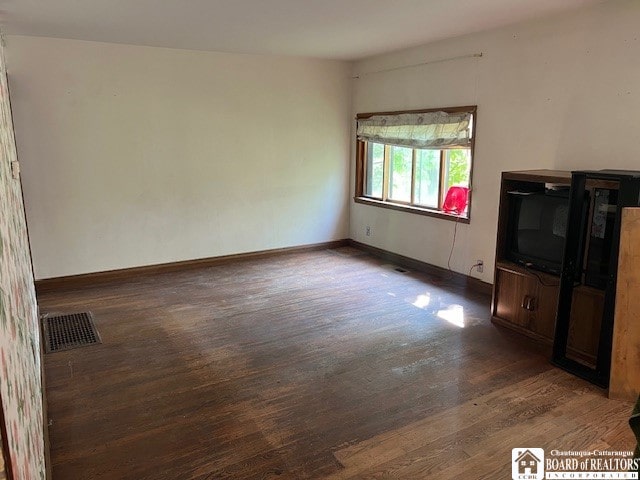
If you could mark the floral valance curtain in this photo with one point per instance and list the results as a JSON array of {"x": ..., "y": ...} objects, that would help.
[{"x": 430, "y": 130}]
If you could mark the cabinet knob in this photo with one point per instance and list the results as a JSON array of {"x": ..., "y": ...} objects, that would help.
[
  {"x": 528, "y": 303},
  {"x": 531, "y": 306}
]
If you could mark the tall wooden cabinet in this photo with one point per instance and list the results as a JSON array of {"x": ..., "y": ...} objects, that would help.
[
  {"x": 583, "y": 337},
  {"x": 524, "y": 300},
  {"x": 577, "y": 306}
]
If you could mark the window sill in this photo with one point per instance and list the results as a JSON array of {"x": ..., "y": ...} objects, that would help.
[{"x": 411, "y": 209}]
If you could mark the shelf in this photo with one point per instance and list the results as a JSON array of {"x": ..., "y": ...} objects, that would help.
[
  {"x": 539, "y": 176},
  {"x": 544, "y": 277}
]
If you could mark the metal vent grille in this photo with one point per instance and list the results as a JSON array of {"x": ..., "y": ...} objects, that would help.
[
  {"x": 64, "y": 332},
  {"x": 395, "y": 268}
]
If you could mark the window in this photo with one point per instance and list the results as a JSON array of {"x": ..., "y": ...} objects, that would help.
[{"x": 419, "y": 162}]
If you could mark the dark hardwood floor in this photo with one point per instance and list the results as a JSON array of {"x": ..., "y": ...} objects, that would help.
[{"x": 310, "y": 365}]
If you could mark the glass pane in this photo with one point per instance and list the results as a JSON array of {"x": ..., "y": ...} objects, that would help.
[
  {"x": 605, "y": 206},
  {"x": 401, "y": 159},
  {"x": 375, "y": 170},
  {"x": 427, "y": 177},
  {"x": 458, "y": 167}
]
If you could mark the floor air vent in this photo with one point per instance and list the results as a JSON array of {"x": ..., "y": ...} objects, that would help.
[
  {"x": 395, "y": 268},
  {"x": 64, "y": 332}
]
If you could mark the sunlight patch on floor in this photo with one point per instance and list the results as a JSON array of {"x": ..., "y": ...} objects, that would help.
[
  {"x": 422, "y": 301},
  {"x": 454, "y": 314}
]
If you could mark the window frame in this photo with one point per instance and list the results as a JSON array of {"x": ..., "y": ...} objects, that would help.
[{"x": 361, "y": 161}]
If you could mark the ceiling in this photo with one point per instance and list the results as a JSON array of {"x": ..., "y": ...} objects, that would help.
[{"x": 335, "y": 29}]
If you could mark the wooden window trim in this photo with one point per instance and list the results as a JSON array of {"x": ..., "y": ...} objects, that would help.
[
  {"x": 427, "y": 212},
  {"x": 412, "y": 198},
  {"x": 386, "y": 176},
  {"x": 469, "y": 108},
  {"x": 361, "y": 158},
  {"x": 443, "y": 166}
]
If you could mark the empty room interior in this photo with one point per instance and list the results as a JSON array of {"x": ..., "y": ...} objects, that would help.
[{"x": 319, "y": 240}]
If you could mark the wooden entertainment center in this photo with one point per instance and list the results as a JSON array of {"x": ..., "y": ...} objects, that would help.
[
  {"x": 523, "y": 299},
  {"x": 569, "y": 303}
]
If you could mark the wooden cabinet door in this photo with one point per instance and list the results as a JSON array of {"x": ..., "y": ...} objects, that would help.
[
  {"x": 524, "y": 301},
  {"x": 543, "y": 317},
  {"x": 587, "y": 305},
  {"x": 514, "y": 294}
]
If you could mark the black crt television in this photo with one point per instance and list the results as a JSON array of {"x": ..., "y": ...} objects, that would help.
[{"x": 537, "y": 228}]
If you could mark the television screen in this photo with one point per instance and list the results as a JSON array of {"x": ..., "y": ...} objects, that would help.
[{"x": 538, "y": 227}]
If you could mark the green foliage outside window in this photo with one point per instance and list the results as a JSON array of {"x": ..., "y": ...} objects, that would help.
[{"x": 458, "y": 167}]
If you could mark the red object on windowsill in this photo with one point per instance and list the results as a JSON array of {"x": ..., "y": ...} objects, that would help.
[{"x": 455, "y": 201}]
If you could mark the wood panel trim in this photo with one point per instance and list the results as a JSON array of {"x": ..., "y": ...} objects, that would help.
[
  {"x": 624, "y": 383},
  {"x": 468, "y": 108},
  {"x": 97, "y": 278},
  {"x": 360, "y": 167},
  {"x": 411, "y": 209},
  {"x": 459, "y": 279}
]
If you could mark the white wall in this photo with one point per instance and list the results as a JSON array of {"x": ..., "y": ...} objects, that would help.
[
  {"x": 562, "y": 92},
  {"x": 136, "y": 155}
]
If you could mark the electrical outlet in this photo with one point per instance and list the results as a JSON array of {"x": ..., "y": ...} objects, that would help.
[
  {"x": 480, "y": 264},
  {"x": 367, "y": 231}
]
